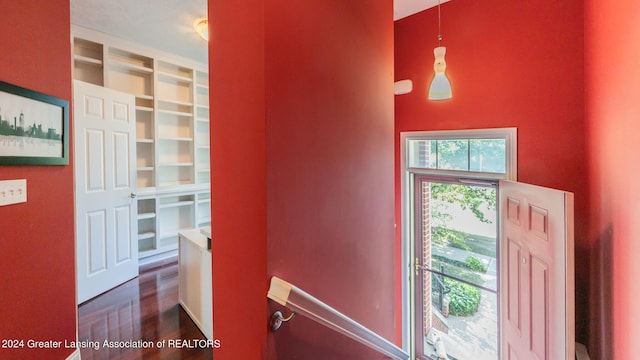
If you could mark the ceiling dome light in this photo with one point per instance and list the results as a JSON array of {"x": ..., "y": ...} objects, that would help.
[{"x": 202, "y": 28}]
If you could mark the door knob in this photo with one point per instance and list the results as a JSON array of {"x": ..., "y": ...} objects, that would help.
[{"x": 132, "y": 195}]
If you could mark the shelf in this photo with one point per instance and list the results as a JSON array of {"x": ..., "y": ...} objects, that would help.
[
  {"x": 177, "y": 164},
  {"x": 119, "y": 55},
  {"x": 177, "y": 204},
  {"x": 203, "y": 147},
  {"x": 176, "y": 102},
  {"x": 144, "y": 96},
  {"x": 132, "y": 67},
  {"x": 176, "y": 138},
  {"x": 145, "y": 168},
  {"x": 145, "y": 141},
  {"x": 204, "y": 201},
  {"x": 149, "y": 215},
  {"x": 147, "y": 235},
  {"x": 169, "y": 76},
  {"x": 175, "y": 183},
  {"x": 172, "y": 112},
  {"x": 141, "y": 96},
  {"x": 144, "y": 108},
  {"x": 87, "y": 60}
]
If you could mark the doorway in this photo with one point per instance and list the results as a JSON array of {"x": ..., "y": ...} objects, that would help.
[
  {"x": 456, "y": 268},
  {"x": 450, "y": 258},
  {"x": 170, "y": 165}
]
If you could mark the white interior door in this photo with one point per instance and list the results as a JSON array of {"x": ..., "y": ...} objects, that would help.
[
  {"x": 106, "y": 209},
  {"x": 537, "y": 282}
]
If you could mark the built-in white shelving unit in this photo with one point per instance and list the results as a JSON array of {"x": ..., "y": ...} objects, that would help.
[{"x": 172, "y": 132}]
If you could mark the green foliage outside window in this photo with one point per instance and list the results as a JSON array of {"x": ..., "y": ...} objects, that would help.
[{"x": 464, "y": 299}]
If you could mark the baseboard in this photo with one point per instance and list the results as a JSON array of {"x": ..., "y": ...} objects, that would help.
[
  {"x": 158, "y": 260},
  {"x": 75, "y": 355}
]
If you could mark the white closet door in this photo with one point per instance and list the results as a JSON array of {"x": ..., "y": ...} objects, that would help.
[{"x": 105, "y": 178}]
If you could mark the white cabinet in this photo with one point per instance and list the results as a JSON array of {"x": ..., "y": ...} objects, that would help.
[
  {"x": 172, "y": 132},
  {"x": 194, "y": 284}
]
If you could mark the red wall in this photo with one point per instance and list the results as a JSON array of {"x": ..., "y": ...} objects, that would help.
[
  {"x": 330, "y": 167},
  {"x": 612, "y": 35},
  {"x": 511, "y": 64},
  {"x": 236, "y": 57},
  {"x": 37, "y": 238},
  {"x": 302, "y": 135}
]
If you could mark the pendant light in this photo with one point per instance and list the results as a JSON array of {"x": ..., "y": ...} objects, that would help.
[{"x": 440, "y": 88}]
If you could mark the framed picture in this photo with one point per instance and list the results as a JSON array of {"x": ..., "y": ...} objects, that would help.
[{"x": 34, "y": 127}]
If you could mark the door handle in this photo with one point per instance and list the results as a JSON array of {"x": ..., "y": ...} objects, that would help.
[
  {"x": 418, "y": 267},
  {"x": 132, "y": 195}
]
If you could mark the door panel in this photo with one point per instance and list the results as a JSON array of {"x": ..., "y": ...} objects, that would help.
[
  {"x": 123, "y": 234},
  {"x": 537, "y": 225},
  {"x": 121, "y": 158},
  {"x": 94, "y": 163},
  {"x": 513, "y": 275},
  {"x": 539, "y": 306},
  {"x": 96, "y": 226},
  {"x": 106, "y": 225}
]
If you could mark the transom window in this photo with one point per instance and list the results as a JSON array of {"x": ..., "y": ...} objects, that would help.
[{"x": 485, "y": 153}]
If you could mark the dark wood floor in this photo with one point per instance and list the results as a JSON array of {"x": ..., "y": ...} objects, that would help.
[{"x": 144, "y": 309}]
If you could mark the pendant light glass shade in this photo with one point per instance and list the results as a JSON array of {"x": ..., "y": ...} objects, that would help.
[{"x": 440, "y": 88}]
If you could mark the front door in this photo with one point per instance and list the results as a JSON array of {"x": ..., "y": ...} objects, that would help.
[
  {"x": 105, "y": 178},
  {"x": 487, "y": 294},
  {"x": 538, "y": 265}
]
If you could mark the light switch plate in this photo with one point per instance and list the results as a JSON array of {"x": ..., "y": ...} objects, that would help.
[{"x": 13, "y": 191}]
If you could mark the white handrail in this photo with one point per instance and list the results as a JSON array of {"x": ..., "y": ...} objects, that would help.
[{"x": 306, "y": 305}]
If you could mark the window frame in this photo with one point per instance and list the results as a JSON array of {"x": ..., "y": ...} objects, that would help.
[
  {"x": 407, "y": 179},
  {"x": 511, "y": 154}
]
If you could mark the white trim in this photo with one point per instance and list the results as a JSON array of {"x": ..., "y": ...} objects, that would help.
[
  {"x": 406, "y": 176},
  {"x": 74, "y": 355},
  {"x": 511, "y": 150}
]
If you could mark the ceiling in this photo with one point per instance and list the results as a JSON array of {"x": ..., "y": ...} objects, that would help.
[
  {"x": 404, "y": 8},
  {"x": 167, "y": 25}
]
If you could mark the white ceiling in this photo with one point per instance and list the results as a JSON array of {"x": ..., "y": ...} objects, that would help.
[
  {"x": 404, "y": 8},
  {"x": 167, "y": 25}
]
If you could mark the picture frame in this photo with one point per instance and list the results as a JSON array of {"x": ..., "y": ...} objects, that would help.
[{"x": 34, "y": 127}]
